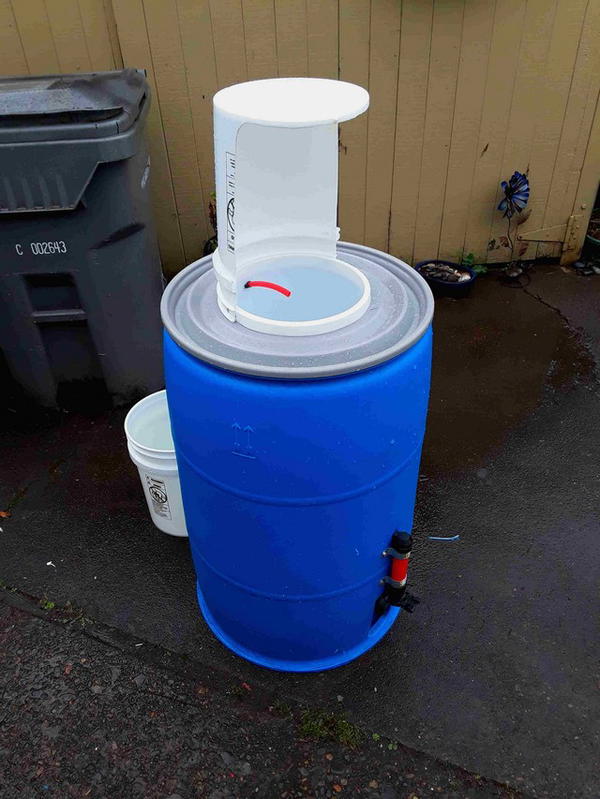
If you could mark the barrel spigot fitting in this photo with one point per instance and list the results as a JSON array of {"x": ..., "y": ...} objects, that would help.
[{"x": 394, "y": 592}]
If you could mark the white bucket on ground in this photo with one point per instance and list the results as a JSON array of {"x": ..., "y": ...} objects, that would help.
[{"x": 150, "y": 445}]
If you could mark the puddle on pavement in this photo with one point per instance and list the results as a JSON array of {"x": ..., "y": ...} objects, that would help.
[{"x": 497, "y": 356}]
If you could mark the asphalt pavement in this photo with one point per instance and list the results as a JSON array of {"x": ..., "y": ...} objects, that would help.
[{"x": 494, "y": 677}]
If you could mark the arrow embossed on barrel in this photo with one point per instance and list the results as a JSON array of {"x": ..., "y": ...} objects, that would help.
[
  {"x": 236, "y": 435},
  {"x": 243, "y": 450}
]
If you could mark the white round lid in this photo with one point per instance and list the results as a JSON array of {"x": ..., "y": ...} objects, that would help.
[{"x": 293, "y": 102}]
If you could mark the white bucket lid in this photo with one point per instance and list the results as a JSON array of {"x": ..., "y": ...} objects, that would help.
[
  {"x": 276, "y": 167},
  {"x": 292, "y": 102}
]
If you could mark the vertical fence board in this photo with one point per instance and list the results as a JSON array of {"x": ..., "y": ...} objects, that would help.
[
  {"x": 354, "y": 33},
  {"x": 97, "y": 35},
  {"x": 133, "y": 37},
  {"x": 113, "y": 33},
  {"x": 581, "y": 161},
  {"x": 502, "y": 68},
  {"x": 322, "y": 36},
  {"x": 587, "y": 186},
  {"x": 525, "y": 107},
  {"x": 260, "y": 38},
  {"x": 413, "y": 72},
  {"x": 576, "y": 126},
  {"x": 169, "y": 69},
  {"x": 228, "y": 37},
  {"x": 68, "y": 34},
  {"x": 292, "y": 47},
  {"x": 381, "y": 123},
  {"x": 12, "y": 54},
  {"x": 475, "y": 47},
  {"x": 195, "y": 25},
  {"x": 443, "y": 75},
  {"x": 550, "y": 110},
  {"x": 36, "y": 36}
]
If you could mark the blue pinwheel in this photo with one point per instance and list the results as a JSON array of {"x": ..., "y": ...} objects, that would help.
[{"x": 516, "y": 194}]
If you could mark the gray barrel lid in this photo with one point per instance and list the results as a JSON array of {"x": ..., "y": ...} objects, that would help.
[
  {"x": 80, "y": 106},
  {"x": 400, "y": 312}
]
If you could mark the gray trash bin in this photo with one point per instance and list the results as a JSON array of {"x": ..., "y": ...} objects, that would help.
[{"x": 80, "y": 276}]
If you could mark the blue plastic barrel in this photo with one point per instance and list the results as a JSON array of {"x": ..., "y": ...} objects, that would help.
[{"x": 296, "y": 469}]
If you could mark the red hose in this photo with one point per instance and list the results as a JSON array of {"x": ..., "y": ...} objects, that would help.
[{"x": 266, "y": 285}]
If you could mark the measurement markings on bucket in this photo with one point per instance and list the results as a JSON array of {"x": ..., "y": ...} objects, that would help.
[
  {"x": 158, "y": 495},
  {"x": 230, "y": 184}
]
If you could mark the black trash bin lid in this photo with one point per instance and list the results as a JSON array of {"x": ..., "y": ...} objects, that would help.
[{"x": 81, "y": 106}]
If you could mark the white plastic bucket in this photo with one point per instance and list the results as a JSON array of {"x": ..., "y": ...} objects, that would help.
[
  {"x": 276, "y": 177},
  {"x": 150, "y": 445}
]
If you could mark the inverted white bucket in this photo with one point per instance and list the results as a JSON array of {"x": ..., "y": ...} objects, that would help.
[
  {"x": 150, "y": 445},
  {"x": 276, "y": 179}
]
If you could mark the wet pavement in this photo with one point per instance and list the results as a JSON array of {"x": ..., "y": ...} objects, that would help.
[
  {"x": 497, "y": 670},
  {"x": 85, "y": 713}
]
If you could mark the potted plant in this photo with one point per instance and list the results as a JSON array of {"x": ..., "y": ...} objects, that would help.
[
  {"x": 451, "y": 278},
  {"x": 592, "y": 239}
]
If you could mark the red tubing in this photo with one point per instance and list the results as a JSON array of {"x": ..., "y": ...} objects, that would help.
[{"x": 263, "y": 284}]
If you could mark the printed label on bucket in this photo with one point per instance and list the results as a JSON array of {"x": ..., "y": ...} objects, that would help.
[
  {"x": 158, "y": 495},
  {"x": 230, "y": 192}
]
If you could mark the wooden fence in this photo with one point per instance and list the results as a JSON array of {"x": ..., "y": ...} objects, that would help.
[{"x": 463, "y": 92}]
